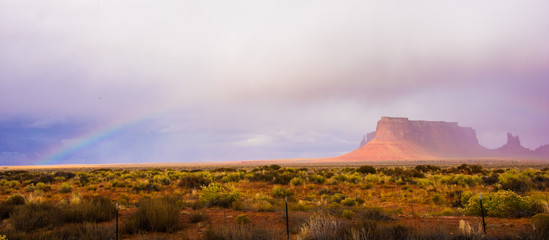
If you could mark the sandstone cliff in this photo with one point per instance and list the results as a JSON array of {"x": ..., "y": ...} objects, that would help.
[
  {"x": 370, "y": 136},
  {"x": 402, "y": 139},
  {"x": 363, "y": 142}
]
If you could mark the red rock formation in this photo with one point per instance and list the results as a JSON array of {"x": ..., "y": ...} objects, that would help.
[
  {"x": 400, "y": 138},
  {"x": 367, "y": 138},
  {"x": 370, "y": 136},
  {"x": 542, "y": 150},
  {"x": 363, "y": 142},
  {"x": 513, "y": 148}
]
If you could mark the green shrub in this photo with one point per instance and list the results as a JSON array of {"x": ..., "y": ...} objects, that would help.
[
  {"x": 42, "y": 187},
  {"x": 30, "y": 217},
  {"x": 283, "y": 179},
  {"x": 340, "y": 177},
  {"x": 216, "y": 194},
  {"x": 290, "y": 169},
  {"x": 541, "y": 224},
  {"x": 158, "y": 215},
  {"x": 464, "y": 198},
  {"x": 300, "y": 206},
  {"x": 280, "y": 192},
  {"x": 374, "y": 214},
  {"x": 232, "y": 177},
  {"x": 193, "y": 181},
  {"x": 503, "y": 203},
  {"x": 337, "y": 197},
  {"x": 427, "y": 168},
  {"x": 29, "y": 188},
  {"x": 262, "y": 205},
  {"x": 162, "y": 179},
  {"x": 349, "y": 214},
  {"x": 16, "y": 199},
  {"x": 296, "y": 181},
  {"x": 115, "y": 183},
  {"x": 64, "y": 175},
  {"x": 349, "y": 202},
  {"x": 334, "y": 205},
  {"x": 371, "y": 178},
  {"x": 511, "y": 180},
  {"x": 461, "y": 180},
  {"x": 438, "y": 199},
  {"x": 353, "y": 178},
  {"x": 65, "y": 188},
  {"x": 274, "y": 167},
  {"x": 242, "y": 219},
  {"x": 366, "y": 170},
  {"x": 315, "y": 178},
  {"x": 326, "y": 191},
  {"x": 14, "y": 184}
]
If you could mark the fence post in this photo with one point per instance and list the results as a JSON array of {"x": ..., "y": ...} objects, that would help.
[
  {"x": 116, "y": 221},
  {"x": 287, "y": 220},
  {"x": 414, "y": 216},
  {"x": 482, "y": 213}
]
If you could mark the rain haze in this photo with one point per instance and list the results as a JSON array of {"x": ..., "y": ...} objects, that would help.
[{"x": 162, "y": 81}]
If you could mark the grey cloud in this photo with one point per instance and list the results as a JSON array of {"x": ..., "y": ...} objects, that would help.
[{"x": 228, "y": 72}]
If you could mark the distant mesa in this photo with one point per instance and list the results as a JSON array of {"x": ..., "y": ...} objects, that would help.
[
  {"x": 542, "y": 150},
  {"x": 398, "y": 138}
]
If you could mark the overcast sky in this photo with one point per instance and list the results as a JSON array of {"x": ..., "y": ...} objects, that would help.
[{"x": 148, "y": 81}]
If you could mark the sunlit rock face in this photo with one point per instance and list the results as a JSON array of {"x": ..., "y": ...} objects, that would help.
[
  {"x": 398, "y": 138},
  {"x": 370, "y": 136},
  {"x": 444, "y": 139}
]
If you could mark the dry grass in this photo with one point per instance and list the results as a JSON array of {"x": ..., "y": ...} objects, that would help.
[
  {"x": 158, "y": 215},
  {"x": 238, "y": 232}
]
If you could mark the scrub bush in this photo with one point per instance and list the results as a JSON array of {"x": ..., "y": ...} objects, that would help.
[
  {"x": 502, "y": 203},
  {"x": 29, "y": 217},
  {"x": 541, "y": 225},
  {"x": 158, "y": 215},
  {"x": 193, "y": 181},
  {"x": 96, "y": 209},
  {"x": 366, "y": 170},
  {"x": 349, "y": 202},
  {"x": 65, "y": 188},
  {"x": 296, "y": 181},
  {"x": 280, "y": 192},
  {"x": 216, "y": 194},
  {"x": 315, "y": 178}
]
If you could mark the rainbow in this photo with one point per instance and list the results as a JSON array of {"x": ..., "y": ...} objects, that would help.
[{"x": 88, "y": 139}]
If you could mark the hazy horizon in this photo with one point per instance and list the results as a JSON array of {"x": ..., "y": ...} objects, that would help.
[{"x": 139, "y": 81}]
